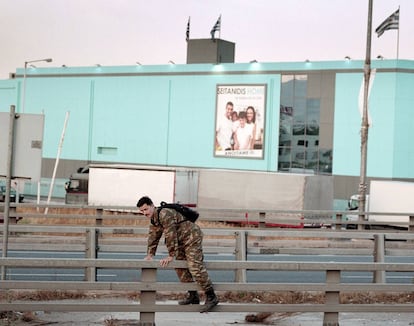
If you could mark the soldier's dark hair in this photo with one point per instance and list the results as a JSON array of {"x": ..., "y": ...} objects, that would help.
[{"x": 144, "y": 200}]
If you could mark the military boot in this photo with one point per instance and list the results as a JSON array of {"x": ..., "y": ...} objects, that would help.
[
  {"x": 191, "y": 298},
  {"x": 211, "y": 301}
]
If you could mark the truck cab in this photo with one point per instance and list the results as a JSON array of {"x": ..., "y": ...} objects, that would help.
[
  {"x": 77, "y": 187},
  {"x": 353, "y": 205}
]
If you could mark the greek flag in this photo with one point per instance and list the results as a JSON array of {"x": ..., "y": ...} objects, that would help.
[
  {"x": 216, "y": 27},
  {"x": 392, "y": 22},
  {"x": 187, "y": 33}
]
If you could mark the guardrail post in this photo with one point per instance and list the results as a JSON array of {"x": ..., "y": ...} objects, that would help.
[
  {"x": 241, "y": 255},
  {"x": 262, "y": 220},
  {"x": 338, "y": 219},
  {"x": 91, "y": 252},
  {"x": 332, "y": 298},
  {"x": 379, "y": 257},
  {"x": 147, "y": 318},
  {"x": 12, "y": 216},
  {"x": 99, "y": 213}
]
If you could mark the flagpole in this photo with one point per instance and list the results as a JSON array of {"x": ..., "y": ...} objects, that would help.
[{"x": 398, "y": 34}]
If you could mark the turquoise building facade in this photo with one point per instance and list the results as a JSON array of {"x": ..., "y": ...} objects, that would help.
[{"x": 166, "y": 115}]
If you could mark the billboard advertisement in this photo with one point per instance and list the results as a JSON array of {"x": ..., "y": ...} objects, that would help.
[{"x": 240, "y": 120}]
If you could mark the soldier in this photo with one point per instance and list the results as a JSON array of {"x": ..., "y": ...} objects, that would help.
[{"x": 184, "y": 242}]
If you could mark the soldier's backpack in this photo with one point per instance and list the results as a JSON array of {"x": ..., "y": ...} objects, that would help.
[{"x": 187, "y": 212}]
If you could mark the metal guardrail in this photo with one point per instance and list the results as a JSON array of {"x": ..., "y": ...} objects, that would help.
[
  {"x": 148, "y": 286},
  {"x": 97, "y": 238},
  {"x": 261, "y": 218}
]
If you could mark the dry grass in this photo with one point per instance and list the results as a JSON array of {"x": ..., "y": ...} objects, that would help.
[
  {"x": 81, "y": 216},
  {"x": 12, "y": 318},
  {"x": 87, "y": 217},
  {"x": 288, "y": 297},
  {"x": 43, "y": 295}
]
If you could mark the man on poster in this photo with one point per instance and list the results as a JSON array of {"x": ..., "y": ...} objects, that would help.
[{"x": 224, "y": 129}]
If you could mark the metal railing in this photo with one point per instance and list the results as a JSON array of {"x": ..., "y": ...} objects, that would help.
[
  {"x": 148, "y": 286},
  {"x": 97, "y": 237}
]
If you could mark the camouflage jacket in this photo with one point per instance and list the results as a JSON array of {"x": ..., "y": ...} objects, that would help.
[{"x": 178, "y": 232}]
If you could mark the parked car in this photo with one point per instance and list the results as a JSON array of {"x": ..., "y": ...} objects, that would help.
[{"x": 12, "y": 195}]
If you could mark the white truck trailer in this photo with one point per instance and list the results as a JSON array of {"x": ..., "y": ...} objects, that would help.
[
  {"x": 123, "y": 185},
  {"x": 387, "y": 196},
  {"x": 267, "y": 191}
]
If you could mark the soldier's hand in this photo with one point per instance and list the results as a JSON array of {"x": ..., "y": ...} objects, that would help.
[
  {"x": 165, "y": 261},
  {"x": 148, "y": 257}
]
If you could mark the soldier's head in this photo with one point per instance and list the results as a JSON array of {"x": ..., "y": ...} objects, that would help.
[{"x": 146, "y": 206}]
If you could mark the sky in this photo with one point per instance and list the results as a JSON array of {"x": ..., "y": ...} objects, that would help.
[{"x": 122, "y": 32}]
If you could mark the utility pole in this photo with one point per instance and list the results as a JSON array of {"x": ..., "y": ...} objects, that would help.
[
  {"x": 9, "y": 174},
  {"x": 365, "y": 123}
]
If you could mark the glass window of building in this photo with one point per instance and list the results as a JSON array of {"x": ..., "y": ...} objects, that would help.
[{"x": 299, "y": 132}]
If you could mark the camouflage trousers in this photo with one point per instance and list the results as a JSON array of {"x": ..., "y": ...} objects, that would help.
[{"x": 192, "y": 251}]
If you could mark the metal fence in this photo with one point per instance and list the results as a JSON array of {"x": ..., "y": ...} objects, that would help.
[
  {"x": 96, "y": 237},
  {"x": 148, "y": 286}
]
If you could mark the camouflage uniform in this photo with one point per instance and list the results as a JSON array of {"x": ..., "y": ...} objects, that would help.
[{"x": 184, "y": 242}]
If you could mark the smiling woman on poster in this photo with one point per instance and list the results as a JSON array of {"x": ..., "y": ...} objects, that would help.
[{"x": 251, "y": 122}]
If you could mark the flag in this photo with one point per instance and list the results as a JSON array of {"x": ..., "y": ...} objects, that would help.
[
  {"x": 392, "y": 22},
  {"x": 187, "y": 33},
  {"x": 216, "y": 27}
]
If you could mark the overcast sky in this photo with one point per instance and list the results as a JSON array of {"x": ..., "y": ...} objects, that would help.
[{"x": 121, "y": 32}]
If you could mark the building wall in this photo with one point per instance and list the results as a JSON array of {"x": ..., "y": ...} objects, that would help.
[
  {"x": 165, "y": 115},
  {"x": 8, "y": 95},
  {"x": 403, "y": 126},
  {"x": 390, "y": 151},
  {"x": 210, "y": 51},
  {"x": 151, "y": 119}
]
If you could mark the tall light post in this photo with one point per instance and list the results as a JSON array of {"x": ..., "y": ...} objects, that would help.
[
  {"x": 365, "y": 123},
  {"x": 24, "y": 78}
]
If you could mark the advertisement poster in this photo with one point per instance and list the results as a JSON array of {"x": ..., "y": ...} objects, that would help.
[{"x": 240, "y": 120}]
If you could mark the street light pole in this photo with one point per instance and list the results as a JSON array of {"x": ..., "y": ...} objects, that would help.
[
  {"x": 365, "y": 123},
  {"x": 24, "y": 78},
  {"x": 9, "y": 174}
]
